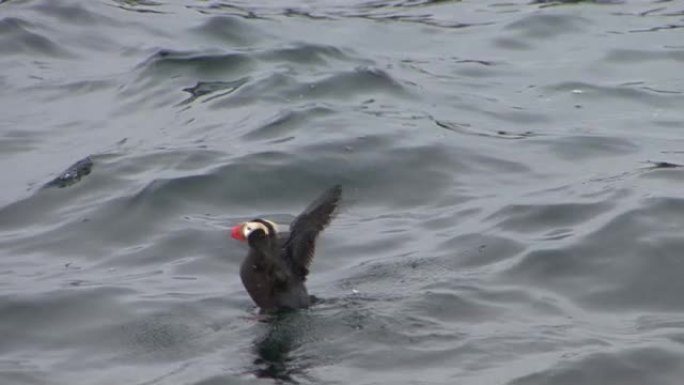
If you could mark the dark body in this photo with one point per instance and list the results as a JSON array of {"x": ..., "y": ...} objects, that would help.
[{"x": 277, "y": 264}]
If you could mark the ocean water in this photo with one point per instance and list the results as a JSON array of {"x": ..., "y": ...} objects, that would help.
[{"x": 513, "y": 207}]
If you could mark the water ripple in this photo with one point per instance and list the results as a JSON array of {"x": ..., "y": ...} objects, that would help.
[
  {"x": 18, "y": 37},
  {"x": 512, "y": 207}
]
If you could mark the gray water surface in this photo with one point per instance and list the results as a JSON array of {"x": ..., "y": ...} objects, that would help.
[{"x": 513, "y": 206}]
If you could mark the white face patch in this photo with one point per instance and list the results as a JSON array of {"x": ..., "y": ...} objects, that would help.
[{"x": 248, "y": 227}]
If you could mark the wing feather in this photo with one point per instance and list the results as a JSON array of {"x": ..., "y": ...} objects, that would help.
[{"x": 301, "y": 244}]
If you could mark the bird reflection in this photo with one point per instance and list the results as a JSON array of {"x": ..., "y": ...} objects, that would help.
[{"x": 282, "y": 335}]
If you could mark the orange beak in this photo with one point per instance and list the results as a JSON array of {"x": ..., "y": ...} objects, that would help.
[{"x": 236, "y": 233}]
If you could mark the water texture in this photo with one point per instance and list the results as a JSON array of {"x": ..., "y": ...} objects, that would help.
[{"x": 513, "y": 190}]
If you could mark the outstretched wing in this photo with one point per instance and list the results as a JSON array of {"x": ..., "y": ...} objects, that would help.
[{"x": 299, "y": 247}]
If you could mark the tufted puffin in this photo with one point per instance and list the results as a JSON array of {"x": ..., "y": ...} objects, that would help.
[{"x": 277, "y": 263}]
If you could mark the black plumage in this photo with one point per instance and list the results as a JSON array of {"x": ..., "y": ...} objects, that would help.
[{"x": 277, "y": 264}]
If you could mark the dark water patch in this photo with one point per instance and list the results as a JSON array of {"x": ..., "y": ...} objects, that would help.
[
  {"x": 48, "y": 207},
  {"x": 512, "y": 43},
  {"x": 450, "y": 307},
  {"x": 662, "y": 171},
  {"x": 389, "y": 178},
  {"x": 393, "y": 278},
  {"x": 165, "y": 163},
  {"x": 158, "y": 337},
  {"x": 584, "y": 147},
  {"x": 518, "y": 115},
  {"x": 667, "y": 325},
  {"x": 446, "y": 221},
  {"x": 586, "y": 92},
  {"x": 266, "y": 88},
  {"x": 291, "y": 175},
  {"x": 14, "y": 141},
  {"x": 74, "y": 14},
  {"x": 481, "y": 163},
  {"x": 666, "y": 123},
  {"x": 17, "y": 372},
  {"x": 80, "y": 235},
  {"x": 401, "y": 346},
  {"x": 380, "y": 11},
  {"x": 659, "y": 28},
  {"x": 309, "y": 55},
  {"x": 283, "y": 88},
  {"x": 36, "y": 209},
  {"x": 218, "y": 88},
  {"x": 165, "y": 192},
  {"x": 660, "y": 91},
  {"x": 375, "y": 108},
  {"x": 203, "y": 253},
  {"x": 664, "y": 165},
  {"x": 130, "y": 220},
  {"x": 477, "y": 68},
  {"x": 515, "y": 303},
  {"x": 48, "y": 320},
  {"x": 468, "y": 129},
  {"x": 307, "y": 172},
  {"x": 167, "y": 63},
  {"x": 370, "y": 277},
  {"x": 476, "y": 61},
  {"x": 142, "y": 339},
  {"x": 292, "y": 12},
  {"x": 633, "y": 366},
  {"x": 383, "y": 11},
  {"x": 107, "y": 201},
  {"x": 545, "y": 218},
  {"x": 19, "y": 37},
  {"x": 544, "y": 26},
  {"x": 482, "y": 303},
  {"x": 627, "y": 56},
  {"x": 454, "y": 163},
  {"x": 566, "y": 2},
  {"x": 175, "y": 251},
  {"x": 82, "y": 87},
  {"x": 231, "y": 10},
  {"x": 166, "y": 67},
  {"x": 477, "y": 250},
  {"x": 220, "y": 379},
  {"x": 140, "y": 6},
  {"x": 359, "y": 83},
  {"x": 626, "y": 263},
  {"x": 401, "y": 17},
  {"x": 287, "y": 122},
  {"x": 398, "y": 4},
  {"x": 230, "y": 31},
  {"x": 563, "y": 269},
  {"x": 336, "y": 329}
]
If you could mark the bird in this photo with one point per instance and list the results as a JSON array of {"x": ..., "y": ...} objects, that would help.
[{"x": 277, "y": 263}]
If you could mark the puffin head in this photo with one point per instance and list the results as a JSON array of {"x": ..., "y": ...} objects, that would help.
[{"x": 242, "y": 231}]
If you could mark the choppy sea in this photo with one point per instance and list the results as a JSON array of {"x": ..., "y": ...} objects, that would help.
[{"x": 513, "y": 177}]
